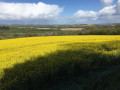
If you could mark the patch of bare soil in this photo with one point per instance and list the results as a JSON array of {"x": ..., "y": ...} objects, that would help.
[{"x": 71, "y": 29}]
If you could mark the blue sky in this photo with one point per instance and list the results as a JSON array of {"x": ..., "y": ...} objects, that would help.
[{"x": 59, "y": 11}]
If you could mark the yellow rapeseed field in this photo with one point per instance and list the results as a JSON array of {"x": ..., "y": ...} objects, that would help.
[{"x": 13, "y": 51}]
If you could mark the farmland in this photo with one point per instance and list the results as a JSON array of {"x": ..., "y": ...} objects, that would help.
[
  {"x": 60, "y": 62},
  {"x": 19, "y": 31},
  {"x": 31, "y": 31},
  {"x": 59, "y": 45}
]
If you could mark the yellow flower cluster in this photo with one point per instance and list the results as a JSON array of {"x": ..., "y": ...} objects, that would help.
[{"x": 13, "y": 51}]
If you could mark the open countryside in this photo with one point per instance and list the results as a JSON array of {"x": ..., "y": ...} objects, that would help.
[{"x": 59, "y": 44}]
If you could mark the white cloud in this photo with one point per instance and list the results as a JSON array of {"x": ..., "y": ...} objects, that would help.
[
  {"x": 109, "y": 14},
  {"x": 118, "y": 7},
  {"x": 41, "y": 13},
  {"x": 110, "y": 10},
  {"x": 83, "y": 16},
  {"x": 107, "y": 2},
  {"x": 22, "y": 11}
]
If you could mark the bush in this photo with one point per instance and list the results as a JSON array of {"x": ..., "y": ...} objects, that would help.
[{"x": 4, "y": 27}]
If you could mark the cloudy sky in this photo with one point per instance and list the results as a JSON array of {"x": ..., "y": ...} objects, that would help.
[{"x": 59, "y": 11}]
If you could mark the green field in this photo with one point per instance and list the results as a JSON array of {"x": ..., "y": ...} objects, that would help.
[
  {"x": 60, "y": 63},
  {"x": 17, "y": 32},
  {"x": 12, "y": 31}
]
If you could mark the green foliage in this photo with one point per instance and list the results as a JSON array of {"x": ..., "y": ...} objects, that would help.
[
  {"x": 27, "y": 31},
  {"x": 101, "y": 30},
  {"x": 4, "y": 27},
  {"x": 8, "y": 32}
]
